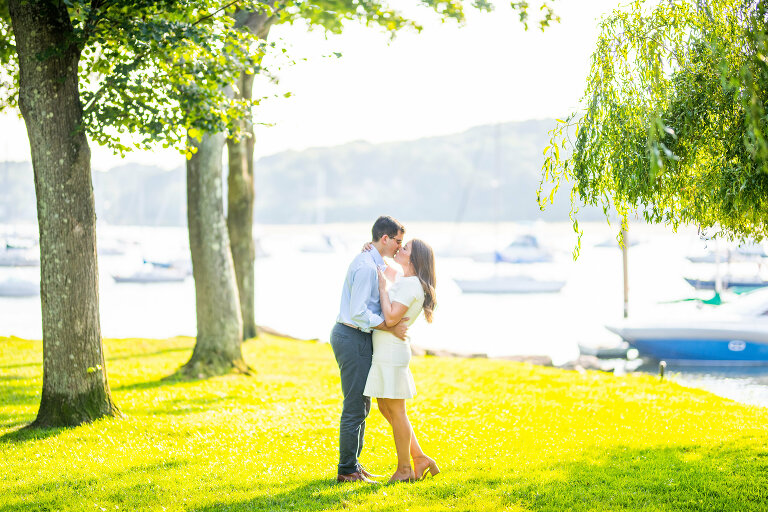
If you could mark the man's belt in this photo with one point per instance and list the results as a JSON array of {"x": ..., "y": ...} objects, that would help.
[{"x": 352, "y": 326}]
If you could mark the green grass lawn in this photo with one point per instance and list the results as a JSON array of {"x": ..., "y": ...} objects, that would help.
[{"x": 507, "y": 436}]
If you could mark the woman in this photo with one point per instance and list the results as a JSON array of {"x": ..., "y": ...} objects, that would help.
[{"x": 389, "y": 380}]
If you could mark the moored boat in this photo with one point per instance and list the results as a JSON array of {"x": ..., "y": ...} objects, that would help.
[
  {"x": 19, "y": 257},
  {"x": 152, "y": 274},
  {"x": 735, "y": 333},
  {"x": 509, "y": 284},
  {"x": 728, "y": 282},
  {"x": 523, "y": 249},
  {"x": 19, "y": 287}
]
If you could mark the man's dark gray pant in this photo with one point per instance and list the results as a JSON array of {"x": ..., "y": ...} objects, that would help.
[{"x": 353, "y": 350}]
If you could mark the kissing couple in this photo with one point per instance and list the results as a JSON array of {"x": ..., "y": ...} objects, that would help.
[{"x": 369, "y": 341}]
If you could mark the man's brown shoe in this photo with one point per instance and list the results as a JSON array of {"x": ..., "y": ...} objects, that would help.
[{"x": 354, "y": 477}]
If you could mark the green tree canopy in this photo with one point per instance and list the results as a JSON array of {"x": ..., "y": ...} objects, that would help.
[{"x": 674, "y": 119}]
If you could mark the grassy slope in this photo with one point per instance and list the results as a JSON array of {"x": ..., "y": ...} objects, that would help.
[{"x": 508, "y": 436}]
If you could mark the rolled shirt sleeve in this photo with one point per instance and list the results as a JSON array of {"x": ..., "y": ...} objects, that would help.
[{"x": 365, "y": 282}]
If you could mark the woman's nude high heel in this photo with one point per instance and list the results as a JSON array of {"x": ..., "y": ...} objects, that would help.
[{"x": 432, "y": 469}]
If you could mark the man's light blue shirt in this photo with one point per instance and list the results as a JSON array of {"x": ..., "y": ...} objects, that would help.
[{"x": 360, "y": 303}]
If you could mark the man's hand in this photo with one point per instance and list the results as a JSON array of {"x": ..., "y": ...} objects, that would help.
[{"x": 401, "y": 328}]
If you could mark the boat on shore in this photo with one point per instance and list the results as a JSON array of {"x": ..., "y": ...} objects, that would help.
[{"x": 734, "y": 333}]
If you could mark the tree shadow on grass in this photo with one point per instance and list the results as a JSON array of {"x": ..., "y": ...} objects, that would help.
[
  {"x": 317, "y": 494},
  {"x": 729, "y": 477},
  {"x": 169, "y": 380},
  {"x": 69, "y": 490},
  {"x": 21, "y": 365},
  {"x": 16, "y": 395},
  {"x": 29, "y": 433},
  {"x": 141, "y": 355},
  {"x": 726, "y": 477}
]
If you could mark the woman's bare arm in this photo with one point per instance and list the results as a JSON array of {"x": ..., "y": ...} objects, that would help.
[{"x": 393, "y": 311}]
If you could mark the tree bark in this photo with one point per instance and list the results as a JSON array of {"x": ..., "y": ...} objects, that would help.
[
  {"x": 241, "y": 194},
  {"x": 218, "y": 348},
  {"x": 75, "y": 388},
  {"x": 240, "y": 202}
]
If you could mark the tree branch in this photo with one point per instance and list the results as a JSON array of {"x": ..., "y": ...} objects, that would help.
[{"x": 230, "y": 4}]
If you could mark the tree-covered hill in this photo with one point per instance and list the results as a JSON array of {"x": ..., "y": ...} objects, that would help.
[{"x": 486, "y": 173}]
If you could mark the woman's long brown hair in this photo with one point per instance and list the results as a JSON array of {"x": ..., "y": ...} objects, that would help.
[{"x": 423, "y": 261}]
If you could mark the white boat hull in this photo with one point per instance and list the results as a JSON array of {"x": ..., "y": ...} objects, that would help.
[
  {"x": 509, "y": 284},
  {"x": 13, "y": 287}
]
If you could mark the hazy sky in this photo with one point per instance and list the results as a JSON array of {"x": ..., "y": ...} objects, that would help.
[{"x": 444, "y": 80}]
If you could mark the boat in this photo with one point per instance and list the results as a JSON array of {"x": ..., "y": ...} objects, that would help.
[
  {"x": 11, "y": 256},
  {"x": 728, "y": 282},
  {"x": 509, "y": 284},
  {"x": 734, "y": 333},
  {"x": 748, "y": 252},
  {"x": 183, "y": 264},
  {"x": 612, "y": 242},
  {"x": 523, "y": 249},
  {"x": 615, "y": 352},
  {"x": 150, "y": 273},
  {"x": 324, "y": 244},
  {"x": 19, "y": 287}
]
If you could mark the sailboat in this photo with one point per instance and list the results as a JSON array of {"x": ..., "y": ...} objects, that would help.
[{"x": 530, "y": 252}]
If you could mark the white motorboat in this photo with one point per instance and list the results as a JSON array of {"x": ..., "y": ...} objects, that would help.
[
  {"x": 150, "y": 273},
  {"x": 183, "y": 264},
  {"x": 734, "y": 333},
  {"x": 19, "y": 287},
  {"x": 747, "y": 252},
  {"x": 509, "y": 284},
  {"x": 523, "y": 249},
  {"x": 11, "y": 256},
  {"x": 728, "y": 282},
  {"x": 324, "y": 244}
]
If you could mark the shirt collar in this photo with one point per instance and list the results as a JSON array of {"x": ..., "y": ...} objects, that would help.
[{"x": 377, "y": 259}]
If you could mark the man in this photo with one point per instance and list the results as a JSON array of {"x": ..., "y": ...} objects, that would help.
[{"x": 351, "y": 339}]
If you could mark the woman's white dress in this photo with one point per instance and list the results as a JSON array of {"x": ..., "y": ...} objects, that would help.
[{"x": 390, "y": 376}]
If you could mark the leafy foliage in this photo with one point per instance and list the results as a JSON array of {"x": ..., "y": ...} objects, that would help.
[
  {"x": 549, "y": 16},
  {"x": 8, "y": 65},
  {"x": 155, "y": 68},
  {"x": 674, "y": 119},
  {"x": 162, "y": 69}
]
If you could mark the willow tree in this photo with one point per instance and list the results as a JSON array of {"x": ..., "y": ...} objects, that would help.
[
  {"x": 673, "y": 123},
  {"x": 330, "y": 16},
  {"x": 79, "y": 69}
]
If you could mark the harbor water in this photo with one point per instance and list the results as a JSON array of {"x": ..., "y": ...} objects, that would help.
[{"x": 301, "y": 268}]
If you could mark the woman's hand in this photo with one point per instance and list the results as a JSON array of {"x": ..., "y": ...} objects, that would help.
[
  {"x": 367, "y": 246},
  {"x": 382, "y": 280}
]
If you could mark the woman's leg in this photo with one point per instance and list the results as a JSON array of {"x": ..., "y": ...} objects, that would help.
[
  {"x": 420, "y": 460},
  {"x": 382, "y": 403},
  {"x": 402, "y": 432}
]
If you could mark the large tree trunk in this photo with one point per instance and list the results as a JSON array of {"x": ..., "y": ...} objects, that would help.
[
  {"x": 75, "y": 388},
  {"x": 240, "y": 201},
  {"x": 240, "y": 192},
  {"x": 218, "y": 348}
]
